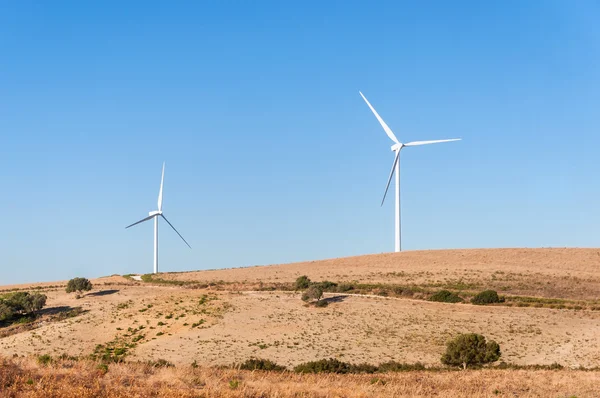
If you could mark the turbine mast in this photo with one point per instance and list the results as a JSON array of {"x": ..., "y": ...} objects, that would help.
[
  {"x": 398, "y": 245},
  {"x": 156, "y": 244}
]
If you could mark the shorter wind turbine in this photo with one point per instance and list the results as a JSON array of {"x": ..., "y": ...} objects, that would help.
[
  {"x": 154, "y": 215},
  {"x": 397, "y": 147}
]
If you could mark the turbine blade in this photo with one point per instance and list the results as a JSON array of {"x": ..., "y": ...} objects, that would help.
[
  {"x": 388, "y": 131},
  {"x": 160, "y": 193},
  {"x": 141, "y": 221},
  {"x": 163, "y": 216},
  {"x": 391, "y": 175},
  {"x": 415, "y": 143}
]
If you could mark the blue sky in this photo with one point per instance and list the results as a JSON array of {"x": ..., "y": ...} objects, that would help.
[{"x": 271, "y": 154}]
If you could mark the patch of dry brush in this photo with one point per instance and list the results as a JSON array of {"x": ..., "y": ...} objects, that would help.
[{"x": 23, "y": 377}]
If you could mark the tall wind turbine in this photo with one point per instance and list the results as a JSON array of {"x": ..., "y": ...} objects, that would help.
[
  {"x": 396, "y": 148},
  {"x": 154, "y": 215}
]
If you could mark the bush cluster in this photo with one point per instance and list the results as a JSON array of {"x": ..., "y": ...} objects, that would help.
[
  {"x": 487, "y": 297},
  {"x": 261, "y": 364},
  {"x": 445, "y": 296},
  {"x": 20, "y": 304},
  {"x": 333, "y": 365}
]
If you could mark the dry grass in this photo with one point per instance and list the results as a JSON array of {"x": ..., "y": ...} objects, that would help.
[
  {"x": 556, "y": 273},
  {"x": 64, "y": 378}
]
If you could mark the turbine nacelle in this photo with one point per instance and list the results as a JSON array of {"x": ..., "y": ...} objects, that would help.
[
  {"x": 155, "y": 213},
  {"x": 397, "y": 147}
]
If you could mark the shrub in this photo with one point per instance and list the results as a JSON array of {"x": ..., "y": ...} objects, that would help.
[
  {"x": 487, "y": 297},
  {"x": 313, "y": 293},
  {"x": 445, "y": 296},
  {"x": 103, "y": 368},
  {"x": 363, "y": 368},
  {"x": 331, "y": 365},
  {"x": 6, "y": 311},
  {"x": 79, "y": 285},
  {"x": 470, "y": 349},
  {"x": 302, "y": 283},
  {"x": 44, "y": 360},
  {"x": 261, "y": 364},
  {"x": 393, "y": 366},
  {"x": 160, "y": 363},
  {"x": 345, "y": 287},
  {"x": 321, "y": 304},
  {"x": 326, "y": 285}
]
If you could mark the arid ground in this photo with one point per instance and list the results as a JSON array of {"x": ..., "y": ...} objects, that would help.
[{"x": 220, "y": 317}]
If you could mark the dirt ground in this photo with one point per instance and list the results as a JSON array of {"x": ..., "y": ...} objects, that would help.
[{"x": 184, "y": 325}]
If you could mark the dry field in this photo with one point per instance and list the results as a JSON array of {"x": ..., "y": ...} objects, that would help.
[
  {"x": 231, "y": 322},
  {"x": 83, "y": 379}
]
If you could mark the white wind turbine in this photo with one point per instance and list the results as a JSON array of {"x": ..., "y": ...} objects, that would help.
[
  {"x": 155, "y": 214},
  {"x": 397, "y": 147}
]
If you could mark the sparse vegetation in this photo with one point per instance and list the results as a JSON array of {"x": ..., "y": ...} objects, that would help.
[{"x": 470, "y": 349}]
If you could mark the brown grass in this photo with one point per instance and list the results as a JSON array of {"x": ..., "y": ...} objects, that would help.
[
  {"x": 64, "y": 378},
  {"x": 556, "y": 273}
]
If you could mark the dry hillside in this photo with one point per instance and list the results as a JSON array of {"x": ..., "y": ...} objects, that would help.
[{"x": 552, "y": 312}]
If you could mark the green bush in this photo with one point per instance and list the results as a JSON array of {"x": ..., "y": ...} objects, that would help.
[
  {"x": 321, "y": 304},
  {"x": 79, "y": 285},
  {"x": 302, "y": 282},
  {"x": 261, "y": 364},
  {"x": 393, "y": 366},
  {"x": 6, "y": 311},
  {"x": 470, "y": 349},
  {"x": 331, "y": 365},
  {"x": 44, "y": 360},
  {"x": 312, "y": 293},
  {"x": 326, "y": 286},
  {"x": 445, "y": 296},
  {"x": 487, "y": 297}
]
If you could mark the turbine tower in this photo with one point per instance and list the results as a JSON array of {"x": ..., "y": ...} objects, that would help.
[
  {"x": 396, "y": 148},
  {"x": 155, "y": 214}
]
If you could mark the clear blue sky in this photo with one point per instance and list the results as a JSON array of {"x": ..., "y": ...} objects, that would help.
[{"x": 271, "y": 154}]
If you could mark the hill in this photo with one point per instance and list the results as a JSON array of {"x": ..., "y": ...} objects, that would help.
[{"x": 378, "y": 311}]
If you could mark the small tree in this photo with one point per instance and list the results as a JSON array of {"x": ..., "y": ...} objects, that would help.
[
  {"x": 79, "y": 285},
  {"x": 302, "y": 282},
  {"x": 313, "y": 293},
  {"x": 470, "y": 349}
]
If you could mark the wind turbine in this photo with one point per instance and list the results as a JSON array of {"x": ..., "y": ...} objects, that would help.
[
  {"x": 154, "y": 215},
  {"x": 397, "y": 147}
]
